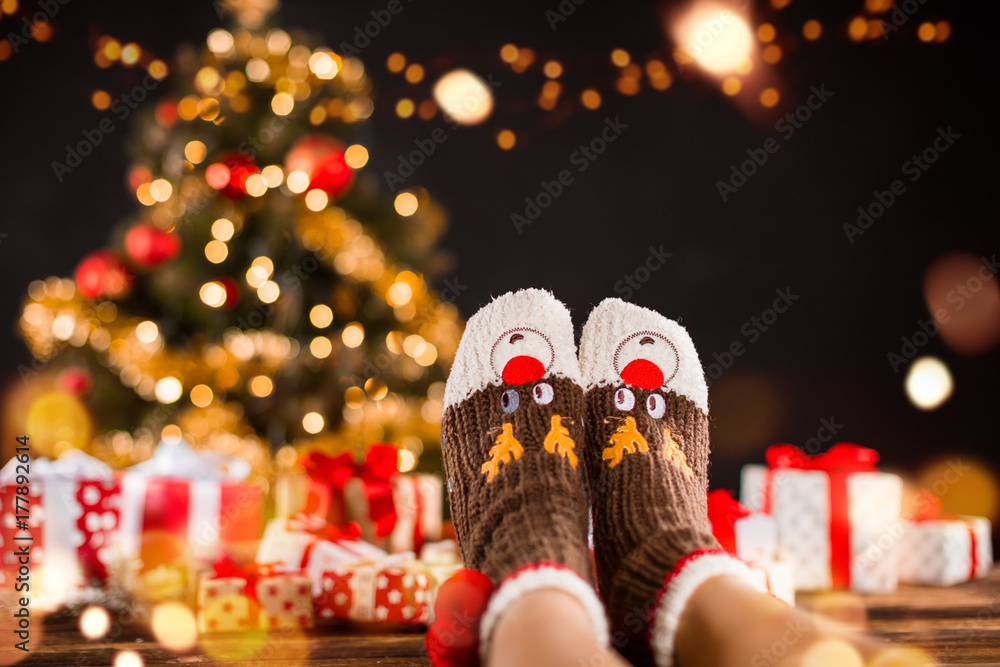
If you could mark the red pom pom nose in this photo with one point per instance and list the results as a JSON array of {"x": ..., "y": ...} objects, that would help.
[
  {"x": 642, "y": 373},
  {"x": 522, "y": 370}
]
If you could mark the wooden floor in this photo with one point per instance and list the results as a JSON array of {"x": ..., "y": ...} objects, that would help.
[{"x": 957, "y": 626}]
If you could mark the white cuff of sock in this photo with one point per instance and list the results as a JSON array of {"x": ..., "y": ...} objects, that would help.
[
  {"x": 533, "y": 577},
  {"x": 688, "y": 574}
]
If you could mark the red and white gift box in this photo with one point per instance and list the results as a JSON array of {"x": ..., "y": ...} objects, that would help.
[
  {"x": 838, "y": 517},
  {"x": 751, "y": 536},
  {"x": 285, "y": 600},
  {"x": 393, "y": 590},
  {"x": 306, "y": 543},
  {"x": 939, "y": 549},
  {"x": 225, "y": 605},
  {"x": 72, "y": 514},
  {"x": 200, "y": 496}
]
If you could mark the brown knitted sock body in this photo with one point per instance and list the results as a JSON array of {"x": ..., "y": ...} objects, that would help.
[
  {"x": 646, "y": 458},
  {"x": 513, "y": 432}
]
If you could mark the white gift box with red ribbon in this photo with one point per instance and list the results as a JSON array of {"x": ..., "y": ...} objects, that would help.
[
  {"x": 946, "y": 551},
  {"x": 838, "y": 517},
  {"x": 777, "y": 578},
  {"x": 72, "y": 512},
  {"x": 200, "y": 496}
]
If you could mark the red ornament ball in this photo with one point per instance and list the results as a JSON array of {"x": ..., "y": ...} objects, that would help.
[
  {"x": 323, "y": 160},
  {"x": 232, "y": 291},
  {"x": 74, "y": 380},
  {"x": 148, "y": 246},
  {"x": 229, "y": 174},
  {"x": 452, "y": 641},
  {"x": 103, "y": 274}
]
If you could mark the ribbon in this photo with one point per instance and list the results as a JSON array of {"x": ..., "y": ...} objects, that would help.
[
  {"x": 723, "y": 512},
  {"x": 838, "y": 462},
  {"x": 321, "y": 531},
  {"x": 418, "y": 516},
  {"x": 376, "y": 473},
  {"x": 929, "y": 508}
]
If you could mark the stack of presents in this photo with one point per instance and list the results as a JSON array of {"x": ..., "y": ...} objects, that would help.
[{"x": 359, "y": 541}]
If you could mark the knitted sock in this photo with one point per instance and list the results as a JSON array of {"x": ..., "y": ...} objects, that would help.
[
  {"x": 512, "y": 435},
  {"x": 647, "y": 461}
]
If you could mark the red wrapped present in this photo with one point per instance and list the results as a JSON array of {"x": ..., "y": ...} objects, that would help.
[
  {"x": 67, "y": 513},
  {"x": 838, "y": 516},
  {"x": 200, "y": 498},
  {"x": 940, "y": 549},
  {"x": 394, "y": 590},
  {"x": 286, "y": 601}
]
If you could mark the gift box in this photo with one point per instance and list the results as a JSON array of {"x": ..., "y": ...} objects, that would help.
[
  {"x": 69, "y": 518},
  {"x": 837, "y": 515},
  {"x": 307, "y": 543},
  {"x": 285, "y": 600},
  {"x": 751, "y": 536},
  {"x": 226, "y": 603},
  {"x": 199, "y": 498},
  {"x": 393, "y": 590},
  {"x": 939, "y": 549},
  {"x": 398, "y": 512},
  {"x": 777, "y": 578}
]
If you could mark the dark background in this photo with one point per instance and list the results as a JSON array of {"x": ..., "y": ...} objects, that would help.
[{"x": 825, "y": 358}]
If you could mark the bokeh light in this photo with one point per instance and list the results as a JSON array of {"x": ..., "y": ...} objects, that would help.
[
  {"x": 964, "y": 485},
  {"x": 312, "y": 422},
  {"x": 128, "y": 659},
  {"x": 173, "y": 625},
  {"x": 963, "y": 298},
  {"x": 94, "y": 622},
  {"x": 714, "y": 35},
  {"x": 464, "y": 97},
  {"x": 321, "y": 316},
  {"x": 406, "y": 203},
  {"x": 928, "y": 383}
]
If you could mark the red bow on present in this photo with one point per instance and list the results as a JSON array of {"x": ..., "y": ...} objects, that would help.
[
  {"x": 723, "y": 511},
  {"x": 226, "y": 566},
  {"x": 318, "y": 527},
  {"x": 837, "y": 462},
  {"x": 929, "y": 508},
  {"x": 376, "y": 473}
]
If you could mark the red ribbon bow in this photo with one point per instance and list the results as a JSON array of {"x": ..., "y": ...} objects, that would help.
[
  {"x": 928, "y": 507},
  {"x": 226, "y": 566},
  {"x": 723, "y": 511},
  {"x": 376, "y": 473},
  {"x": 838, "y": 462}
]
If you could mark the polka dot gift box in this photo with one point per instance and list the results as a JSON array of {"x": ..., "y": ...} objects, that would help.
[
  {"x": 394, "y": 590},
  {"x": 286, "y": 601},
  {"x": 70, "y": 514}
]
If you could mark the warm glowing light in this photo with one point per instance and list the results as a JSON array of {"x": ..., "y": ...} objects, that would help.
[
  {"x": 171, "y": 434},
  {"x": 128, "y": 659},
  {"x": 157, "y": 69},
  {"x": 926, "y": 32},
  {"x": 812, "y": 29},
  {"x": 942, "y": 31},
  {"x": 620, "y": 57},
  {"x": 268, "y": 292},
  {"x": 217, "y": 175},
  {"x": 858, "y": 28},
  {"x": 405, "y": 107},
  {"x": 94, "y": 622},
  {"x": 508, "y": 53},
  {"x": 414, "y": 73},
  {"x": 256, "y": 276},
  {"x": 101, "y": 100},
  {"x": 312, "y": 422},
  {"x": 168, "y": 390},
  {"x": 399, "y": 294},
  {"x": 220, "y": 41},
  {"x": 769, "y": 97},
  {"x": 354, "y": 397},
  {"x": 321, "y": 316},
  {"x": 261, "y": 386},
  {"x": 223, "y": 229},
  {"x": 297, "y": 181},
  {"x": 258, "y": 70},
  {"x": 395, "y": 62},
  {"x": 174, "y": 626},
  {"x": 255, "y": 185},
  {"x": 771, "y": 54},
  {"x": 426, "y": 354},
  {"x": 928, "y": 383},
  {"x": 353, "y": 335},
  {"x": 714, "y": 36},
  {"x": 406, "y": 204},
  {"x": 160, "y": 189},
  {"x": 213, "y": 294},
  {"x": 464, "y": 97},
  {"x": 590, "y": 98},
  {"x": 282, "y": 104},
  {"x": 216, "y": 251},
  {"x": 130, "y": 54},
  {"x": 323, "y": 65},
  {"x": 356, "y": 156},
  {"x": 320, "y": 347},
  {"x": 963, "y": 298},
  {"x": 731, "y": 86},
  {"x": 902, "y": 657},
  {"x": 195, "y": 152},
  {"x": 406, "y": 461},
  {"x": 745, "y": 66},
  {"x": 553, "y": 69},
  {"x": 147, "y": 331},
  {"x": 766, "y": 32},
  {"x": 317, "y": 200},
  {"x": 278, "y": 42},
  {"x": 201, "y": 395},
  {"x": 831, "y": 653},
  {"x": 272, "y": 175},
  {"x": 506, "y": 139}
]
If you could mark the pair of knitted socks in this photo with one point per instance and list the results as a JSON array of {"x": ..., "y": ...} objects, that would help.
[{"x": 528, "y": 427}]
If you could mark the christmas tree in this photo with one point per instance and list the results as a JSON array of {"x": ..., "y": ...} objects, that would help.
[{"x": 267, "y": 295}]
